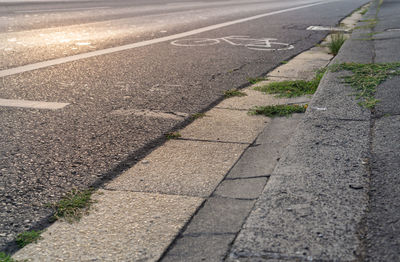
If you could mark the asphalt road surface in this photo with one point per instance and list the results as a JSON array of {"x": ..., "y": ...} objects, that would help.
[{"x": 118, "y": 75}]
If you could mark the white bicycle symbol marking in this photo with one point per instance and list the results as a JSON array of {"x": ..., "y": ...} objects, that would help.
[{"x": 263, "y": 44}]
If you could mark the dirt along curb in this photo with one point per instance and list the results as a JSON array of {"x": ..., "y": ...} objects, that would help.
[{"x": 194, "y": 191}]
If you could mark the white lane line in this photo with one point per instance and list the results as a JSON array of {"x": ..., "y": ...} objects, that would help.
[
  {"x": 62, "y": 9},
  {"x": 31, "y": 67},
  {"x": 32, "y": 104}
]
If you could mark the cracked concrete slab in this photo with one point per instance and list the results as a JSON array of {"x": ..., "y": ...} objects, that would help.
[
  {"x": 181, "y": 167},
  {"x": 225, "y": 125},
  {"x": 121, "y": 226}
]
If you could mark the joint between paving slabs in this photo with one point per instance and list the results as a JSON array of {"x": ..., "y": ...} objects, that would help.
[
  {"x": 180, "y": 234},
  {"x": 385, "y": 115},
  {"x": 232, "y": 109},
  {"x": 249, "y": 177},
  {"x": 214, "y": 195},
  {"x": 212, "y": 141},
  {"x": 149, "y": 192},
  {"x": 339, "y": 119},
  {"x": 199, "y": 234}
]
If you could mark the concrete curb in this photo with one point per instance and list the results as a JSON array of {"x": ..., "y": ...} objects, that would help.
[{"x": 313, "y": 206}]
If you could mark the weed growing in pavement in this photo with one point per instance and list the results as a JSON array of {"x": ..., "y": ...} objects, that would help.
[
  {"x": 278, "y": 110},
  {"x": 233, "y": 92},
  {"x": 284, "y": 62},
  {"x": 6, "y": 258},
  {"x": 255, "y": 80},
  {"x": 371, "y": 24},
  {"x": 197, "y": 115},
  {"x": 337, "y": 40},
  {"x": 28, "y": 237},
  {"x": 173, "y": 135},
  {"x": 364, "y": 11},
  {"x": 366, "y": 77},
  {"x": 293, "y": 88},
  {"x": 73, "y": 206}
]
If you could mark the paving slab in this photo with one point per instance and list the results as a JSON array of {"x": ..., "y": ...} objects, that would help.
[
  {"x": 315, "y": 199},
  {"x": 220, "y": 215},
  {"x": 299, "y": 68},
  {"x": 336, "y": 100},
  {"x": 249, "y": 188},
  {"x": 257, "y": 98},
  {"x": 351, "y": 21},
  {"x": 261, "y": 158},
  {"x": 315, "y": 54},
  {"x": 200, "y": 248},
  {"x": 121, "y": 226},
  {"x": 181, "y": 167},
  {"x": 225, "y": 125}
]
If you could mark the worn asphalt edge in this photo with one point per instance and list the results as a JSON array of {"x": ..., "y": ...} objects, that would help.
[{"x": 360, "y": 227}]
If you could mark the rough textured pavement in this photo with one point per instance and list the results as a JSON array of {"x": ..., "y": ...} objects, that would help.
[
  {"x": 334, "y": 196},
  {"x": 383, "y": 224}
]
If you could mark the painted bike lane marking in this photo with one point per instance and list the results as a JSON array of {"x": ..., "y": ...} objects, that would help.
[{"x": 52, "y": 62}]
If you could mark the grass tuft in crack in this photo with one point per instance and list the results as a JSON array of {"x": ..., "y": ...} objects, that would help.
[
  {"x": 253, "y": 81},
  {"x": 6, "y": 258},
  {"x": 337, "y": 40},
  {"x": 364, "y": 11},
  {"x": 293, "y": 88},
  {"x": 28, "y": 237},
  {"x": 197, "y": 116},
  {"x": 366, "y": 77},
  {"x": 173, "y": 135},
  {"x": 73, "y": 206},
  {"x": 278, "y": 110},
  {"x": 233, "y": 92}
]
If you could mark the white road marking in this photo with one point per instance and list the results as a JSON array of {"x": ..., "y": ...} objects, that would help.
[
  {"x": 262, "y": 44},
  {"x": 324, "y": 28},
  {"x": 31, "y": 67},
  {"x": 61, "y": 9},
  {"x": 32, "y": 104}
]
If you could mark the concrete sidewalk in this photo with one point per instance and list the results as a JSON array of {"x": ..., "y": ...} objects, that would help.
[
  {"x": 334, "y": 196},
  {"x": 235, "y": 187}
]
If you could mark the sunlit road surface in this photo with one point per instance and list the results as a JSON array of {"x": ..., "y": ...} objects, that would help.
[{"x": 89, "y": 87}]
